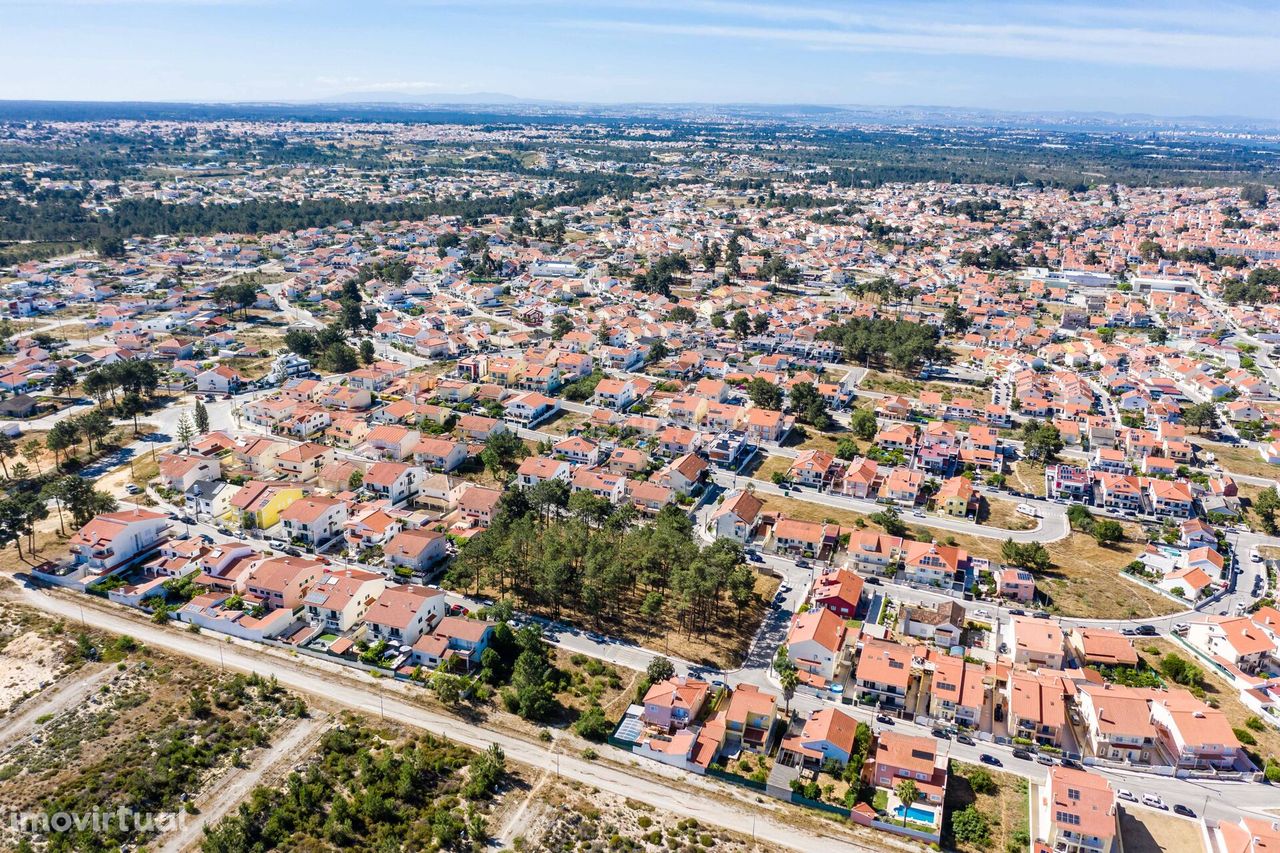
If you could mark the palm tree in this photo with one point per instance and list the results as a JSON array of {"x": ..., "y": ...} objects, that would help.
[
  {"x": 907, "y": 792},
  {"x": 789, "y": 679}
]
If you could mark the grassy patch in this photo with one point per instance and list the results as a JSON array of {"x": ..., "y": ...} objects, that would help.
[
  {"x": 892, "y": 383},
  {"x": 998, "y": 513},
  {"x": 1005, "y": 806},
  {"x": 1238, "y": 459},
  {"x": 1028, "y": 476},
  {"x": 766, "y": 466},
  {"x": 563, "y": 422}
]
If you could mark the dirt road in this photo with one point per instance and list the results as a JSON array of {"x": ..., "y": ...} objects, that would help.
[
  {"x": 72, "y": 689},
  {"x": 354, "y": 689},
  {"x": 231, "y": 789}
]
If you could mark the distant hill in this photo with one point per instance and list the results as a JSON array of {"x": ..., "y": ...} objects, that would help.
[{"x": 424, "y": 98}]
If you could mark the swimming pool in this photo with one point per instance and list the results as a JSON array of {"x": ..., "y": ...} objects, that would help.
[{"x": 916, "y": 814}]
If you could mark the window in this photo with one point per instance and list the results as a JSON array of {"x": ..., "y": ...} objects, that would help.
[
  {"x": 1067, "y": 818},
  {"x": 1073, "y": 794}
]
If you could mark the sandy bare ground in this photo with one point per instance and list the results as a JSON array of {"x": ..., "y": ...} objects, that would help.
[
  {"x": 67, "y": 693},
  {"x": 27, "y": 662},
  {"x": 520, "y": 817},
  {"x": 229, "y": 790}
]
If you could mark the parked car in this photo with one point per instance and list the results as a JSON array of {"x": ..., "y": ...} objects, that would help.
[
  {"x": 966, "y": 740},
  {"x": 1040, "y": 614},
  {"x": 1147, "y": 630},
  {"x": 1181, "y": 628},
  {"x": 990, "y": 759},
  {"x": 884, "y": 719},
  {"x": 872, "y": 580},
  {"x": 1017, "y": 611},
  {"x": 1023, "y": 755},
  {"x": 1154, "y": 801},
  {"x": 1046, "y": 760},
  {"x": 1183, "y": 810},
  {"x": 132, "y": 489},
  {"x": 1128, "y": 632},
  {"x": 1071, "y": 764},
  {"x": 982, "y": 612},
  {"x": 1125, "y": 794},
  {"x": 941, "y": 735}
]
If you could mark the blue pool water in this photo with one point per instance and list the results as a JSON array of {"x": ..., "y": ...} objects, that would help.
[{"x": 915, "y": 814}]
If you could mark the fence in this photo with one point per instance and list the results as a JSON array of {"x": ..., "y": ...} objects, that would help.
[
  {"x": 1145, "y": 583},
  {"x": 801, "y": 800},
  {"x": 917, "y": 834},
  {"x": 736, "y": 779}
]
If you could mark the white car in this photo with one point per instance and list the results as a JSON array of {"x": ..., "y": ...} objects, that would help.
[
  {"x": 982, "y": 612},
  {"x": 1125, "y": 794},
  {"x": 1255, "y": 557},
  {"x": 1154, "y": 801}
]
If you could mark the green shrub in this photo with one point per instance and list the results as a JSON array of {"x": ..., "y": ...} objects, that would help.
[
  {"x": 981, "y": 782},
  {"x": 971, "y": 826}
]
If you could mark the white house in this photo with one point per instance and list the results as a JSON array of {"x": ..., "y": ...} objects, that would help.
[
  {"x": 401, "y": 614},
  {"x": 218, "y": 380},
  {"x": 342, "y": 597},
  {"x": 116, "y": 539}
]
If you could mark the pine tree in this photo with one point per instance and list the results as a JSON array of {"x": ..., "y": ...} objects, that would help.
[
  {"x": 185, "y": 430},
  {"x": 202, "y": 418}
]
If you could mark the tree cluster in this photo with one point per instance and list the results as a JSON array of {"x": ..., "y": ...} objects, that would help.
[
  {"x": 242, "y": 295},
  {"x": 327, "y": 349},
  {"x": 1256, "y": 289},
  {"x": 556, "y": 552},
  {"x": 886, "y": 342},
  {"x": 809, "y": 406},
  {"x": 661, "y": 274},
  {"x": 1041, "y": 441}
]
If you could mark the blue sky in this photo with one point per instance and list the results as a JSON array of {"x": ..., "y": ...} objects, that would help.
[{"x": 1172, "y": 58}]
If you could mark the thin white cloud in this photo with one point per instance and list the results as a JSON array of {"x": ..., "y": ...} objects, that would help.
[{"x": 1112, "y": 46}]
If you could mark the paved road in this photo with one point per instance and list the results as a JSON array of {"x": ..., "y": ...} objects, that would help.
[{"x": 357, "y": 690}]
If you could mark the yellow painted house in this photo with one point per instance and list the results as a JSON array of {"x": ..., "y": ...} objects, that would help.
[
  {"x": 260, "y": 503},
  {"x": 956, "y": 496}
]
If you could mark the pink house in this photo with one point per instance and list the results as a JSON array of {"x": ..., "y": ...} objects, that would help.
[{"x": 1017, "y": 584}]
